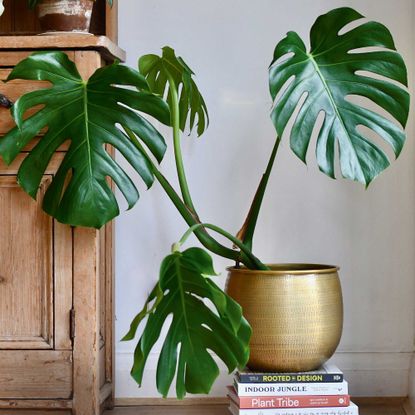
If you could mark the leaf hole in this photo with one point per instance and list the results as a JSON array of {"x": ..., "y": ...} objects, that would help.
[
  {"x": 66, "y": 182},
  {"x": 370, "y": 105},
  {"x": 368, "y": 132},
  {"x": 283, "y": 90},
  {"x": 163, "y": 92},
  {"x": 32, "y": 111},
  {"x": 311, "y": 159},
  {"x": 209, "y": 304},
  {"x": 283, "y": 58},
  {"x": 295, "y": 112},
  {"x": 368, "y": 49},
  {"x": 376, "y": 139},
  {"x": 205, "y": 326},
  {"x": 350, "y": 26},
  {"x": 373, "y": 75}
]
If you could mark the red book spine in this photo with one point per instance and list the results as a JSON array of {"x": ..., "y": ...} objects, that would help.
[{"x": 312, "y": 401}]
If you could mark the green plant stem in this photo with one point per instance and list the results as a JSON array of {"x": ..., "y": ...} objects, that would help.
[
  {"x": 206, "y": 240},
  {"x": 250, "y": 260},
  {"x": 219, "y": 230},
  {"x": 175, "y": 112},
  {"x": 246, "y": 234}
]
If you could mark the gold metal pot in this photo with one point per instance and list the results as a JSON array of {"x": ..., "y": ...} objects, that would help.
[{"x": 295, "y": 311}]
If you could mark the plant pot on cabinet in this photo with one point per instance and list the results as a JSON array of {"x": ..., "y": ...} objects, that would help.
[
  {"x": 65, "y": 15},
  {"x": 295, "y": 311}
]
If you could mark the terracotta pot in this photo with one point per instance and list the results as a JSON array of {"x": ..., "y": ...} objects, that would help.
[
  {"x": 65, "y": 15},
  {"x": 295, "y": 311}
]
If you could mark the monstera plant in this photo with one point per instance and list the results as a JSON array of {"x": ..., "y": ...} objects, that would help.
[{"x": 106, "y": 110}]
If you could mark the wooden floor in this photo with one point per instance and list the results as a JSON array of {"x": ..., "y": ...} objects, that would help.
[{"x": 383, "y": 409}]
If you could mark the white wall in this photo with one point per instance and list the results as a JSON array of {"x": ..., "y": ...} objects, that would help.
[{"x": 307, "y": 217}]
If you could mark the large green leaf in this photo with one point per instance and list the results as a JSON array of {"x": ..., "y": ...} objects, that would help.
[
  {"x": 90, "y": 115},
  {"x": 328, "y": 75},
  {"x": 195, "y": 328},
  {"x": 159, "y": 69}
]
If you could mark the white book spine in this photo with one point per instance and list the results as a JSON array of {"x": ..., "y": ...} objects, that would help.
[
  {"x": 350, "y": 410},
  {"x": 295, "y": 389}
]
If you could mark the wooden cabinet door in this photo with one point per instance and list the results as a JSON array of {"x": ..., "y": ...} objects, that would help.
[{"x": 35, "y": 297}]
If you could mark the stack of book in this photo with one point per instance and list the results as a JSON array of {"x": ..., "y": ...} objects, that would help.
[{"x": 321, "y": 392}]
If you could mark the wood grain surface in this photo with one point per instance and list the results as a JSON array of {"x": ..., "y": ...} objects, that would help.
[
  {"x": 222, "y": 410},
  {"x": 365, "y": 409},
  {"x": 108, "y": 49},
  {"x": 48, "y": 376},
  {"x": 72, "y": 366},
  {"x": 26, "y": 287}
]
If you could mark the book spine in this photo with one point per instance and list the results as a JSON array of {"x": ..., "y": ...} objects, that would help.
[
  {"x": 289, "y": 378},
  {"x": 351, "y": 410},
  {"x": 297, "y": 389},
  {"x": 262, "y": 402}
]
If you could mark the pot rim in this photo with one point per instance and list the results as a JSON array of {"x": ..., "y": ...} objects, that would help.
[
  {"x": 289, "y": 268},
  {"x": 42, "y": 3}
]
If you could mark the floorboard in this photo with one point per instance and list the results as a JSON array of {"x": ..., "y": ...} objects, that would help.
[{"x": 222, "y": 410}]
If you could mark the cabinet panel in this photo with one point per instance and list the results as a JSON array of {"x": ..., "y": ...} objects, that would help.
[
  {"x": 60, "y": 352},
  {"x": 35, "y": 298},
  {"x": 63, "y": 257},
  {"x": 35, "y": 374},
  {"x": 26, "y": 273},
  {"x": 8, "y": 59}
]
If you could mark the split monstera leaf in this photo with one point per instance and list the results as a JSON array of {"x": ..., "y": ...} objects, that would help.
[
  {"x": 159, "y": 70},
  {"x": 88, "y": 114},
  {"x": 195, "y": 329},
  {"x": 336, "y": 68},
  {"x": 326, "y": 80},
  {"x": 345, "y": 69}
]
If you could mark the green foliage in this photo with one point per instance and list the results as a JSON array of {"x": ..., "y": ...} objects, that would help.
[
  {"x": 160, "y": 70},
  {"x": 195, "y": 328},
  {"x": 328, "y": 75},
  {"x": 199, "y": 316},
  {"x": 86, "y": 113}
]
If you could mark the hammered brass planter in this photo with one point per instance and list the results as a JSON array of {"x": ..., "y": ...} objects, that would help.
[{"x": 295, "y": 311}]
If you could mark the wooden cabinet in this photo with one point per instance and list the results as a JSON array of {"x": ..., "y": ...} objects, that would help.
[
  {"x": 19, "y": 19},
  {"x": 56, "y": 282}
]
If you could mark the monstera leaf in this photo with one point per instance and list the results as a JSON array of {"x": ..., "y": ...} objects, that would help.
[
  {"x": 328, "y": 76},
  {"x": 195, "y": 328},
  {"x": 158, "y": 70},
  {"x": 86, "y": 114}
]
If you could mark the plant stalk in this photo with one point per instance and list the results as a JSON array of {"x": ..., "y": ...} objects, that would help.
[
  {"x": 247, "y": 258},
  {"x": 205, "y": 239},
  {"x": 175, "y": 113},
  {"x": 219, "y": 230},
  {"x": 246, "y": 233}
]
